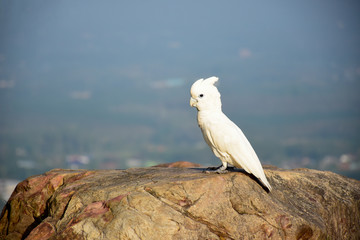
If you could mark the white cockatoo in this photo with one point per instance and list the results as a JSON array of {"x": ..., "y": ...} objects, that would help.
[{"x": 223, "y": 136}]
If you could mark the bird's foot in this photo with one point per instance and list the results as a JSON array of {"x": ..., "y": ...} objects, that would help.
[{"x": 220, "y": 170}]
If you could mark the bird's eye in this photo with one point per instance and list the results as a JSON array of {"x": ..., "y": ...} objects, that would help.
[{"x": 201, "y": 95}]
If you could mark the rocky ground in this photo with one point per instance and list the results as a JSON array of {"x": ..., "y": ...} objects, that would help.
[{"x": 182, "y": 203}]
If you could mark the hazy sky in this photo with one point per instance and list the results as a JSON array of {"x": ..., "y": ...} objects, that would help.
[
  {"x": 216, "y": 37},
  {"x": 277, "y": 61}
]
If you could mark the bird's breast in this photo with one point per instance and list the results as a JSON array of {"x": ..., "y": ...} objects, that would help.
[{"x": 209, "y": 118}]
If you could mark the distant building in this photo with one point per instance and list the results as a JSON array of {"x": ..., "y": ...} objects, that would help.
[
  {"x": 77, "y": 161},
  {"x": 347, "y": 162}
]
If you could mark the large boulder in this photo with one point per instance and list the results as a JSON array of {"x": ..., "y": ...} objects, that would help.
[{"x": 182, "y": 203}]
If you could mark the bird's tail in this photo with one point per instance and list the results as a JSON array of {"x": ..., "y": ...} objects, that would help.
[{"x": 265, "y": 182}]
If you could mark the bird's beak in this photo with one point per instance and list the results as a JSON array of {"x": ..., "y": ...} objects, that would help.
[{"x": 193, "y": 102}]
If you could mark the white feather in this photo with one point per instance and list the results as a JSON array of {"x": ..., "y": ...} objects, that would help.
[{"x": 224, "y": 137}]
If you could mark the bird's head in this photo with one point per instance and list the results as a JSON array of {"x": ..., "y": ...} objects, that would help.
[{"x": 204, "y": 94}]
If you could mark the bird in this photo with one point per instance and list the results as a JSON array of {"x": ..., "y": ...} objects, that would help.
[{"x": 223, "y": 136}]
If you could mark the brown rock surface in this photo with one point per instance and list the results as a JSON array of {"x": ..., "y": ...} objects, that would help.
[
  {"x": 179, "y": 164},
  {"x": 180, "y": 203}
]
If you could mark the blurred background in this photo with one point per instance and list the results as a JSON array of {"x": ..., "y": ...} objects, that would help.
[{"x": 105, "y": 84}]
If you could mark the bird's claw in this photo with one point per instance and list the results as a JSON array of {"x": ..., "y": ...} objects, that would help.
[{"x": 219, "y": 170}]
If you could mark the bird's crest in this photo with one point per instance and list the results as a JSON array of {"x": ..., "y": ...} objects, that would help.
[
  {"x": 208, "y": 81},
  {"x": 211, "y": 80},
  {"x": 199, "y": 84}
]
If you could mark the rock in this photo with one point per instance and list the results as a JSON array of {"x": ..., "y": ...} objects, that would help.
[
  {"x": 180, "y": 203},
  {"x": 179, "y": 164}
]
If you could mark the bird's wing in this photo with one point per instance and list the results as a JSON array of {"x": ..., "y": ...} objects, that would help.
[{"x": 228, "y": 139}]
